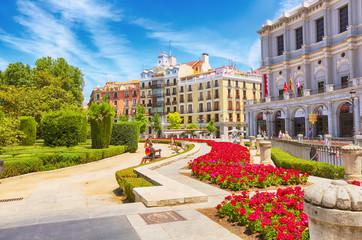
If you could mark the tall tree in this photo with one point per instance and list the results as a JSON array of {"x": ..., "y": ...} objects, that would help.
[
  {"x": 175, "y": 120},
  {"x": 140, "y": 118},
  {"x": 156, "y": 123},
  {"x": 18, "y": 74},
  {"x": 211, "y": 126},
  {"x": 70, "y": 76}
]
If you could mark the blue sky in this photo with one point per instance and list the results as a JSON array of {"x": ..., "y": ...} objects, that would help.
[{"x": 113, "y": 40}]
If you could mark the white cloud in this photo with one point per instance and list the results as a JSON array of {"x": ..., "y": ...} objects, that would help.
[
  {"x": 285, "y": 5},
  {"x": 50, "y": 29},
  {"x": 3, "y": 64},
  {"x": 254, "y": 55}
]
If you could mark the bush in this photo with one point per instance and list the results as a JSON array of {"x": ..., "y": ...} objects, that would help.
[
  {"x": 126, "y": 133},
  {"x": 2, "y": 116},
  {"x": 28, "y": 126},
  {"x": 101, "y": 119},
  {"x": 319, "y": 169},
  {"x": 18, "y": 166},
  {"x": 61, "y": 128},
  {"x": 83, "y": 129},
  {"x": 128, "y": 180}
]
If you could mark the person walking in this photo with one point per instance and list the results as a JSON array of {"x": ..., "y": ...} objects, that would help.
[
  {"x": 280, "y": 136},
  {"x": 310, "y": 133}
]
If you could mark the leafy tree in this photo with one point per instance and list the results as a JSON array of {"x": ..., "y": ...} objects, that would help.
[
  {"x": 140, "y": 118},
  {"x": 18, "y": 74},
  {"x": 192, "y": 126},
  {"x": 211, "y": 126},
  {"x": 156, "y": 123},
  {"x": 101, "y": 119},
  {"x": 238, "y": 126},
  {"x": 9, "y": 131},
  {"x": 71, "y": 77},
  {"x": 175, "y": 120},
  {"x": 122, "y": 118}
]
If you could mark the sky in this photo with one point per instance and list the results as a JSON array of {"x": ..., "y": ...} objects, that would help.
[{"x": 114, "y": 40}]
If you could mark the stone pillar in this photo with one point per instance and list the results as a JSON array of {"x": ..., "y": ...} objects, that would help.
[
  {"x": 258, "y": 140},
  {"x": 356, "y": 116},
  {"x": 327, "y": 140},
  {"x": 300, "y": 138},
  {"x": 286, "y": 96},
  {"x": 306, "y": 92},
  {"x": 331, "y": 119},
  {"x": 265, "y": 152},
  {"x": 334, "y": 211},
  {"x": 252, "y": 142},
  {"x": 358, "y": 140},
  {"x": 352, "y": 162},
  {"x": 241, "y": 137}
]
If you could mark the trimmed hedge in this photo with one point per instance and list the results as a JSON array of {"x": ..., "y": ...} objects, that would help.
[
  {"x": 83, "y": 129},
  {"x": 319, "y": 169},
  {"x": 126, "y": 133},
  {"x": 25, "y": 163},
  {"x": 101, "y": 120},
  {"x": 128, "y": 180},
  {"x": 61, "y": 128},
  {"x": 28, "y": 127},
  {"x": 2, "y": 116}
]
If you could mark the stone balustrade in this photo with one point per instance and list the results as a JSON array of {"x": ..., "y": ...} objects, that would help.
[
  {"x": 252, "y": 142},
  {"x": 352, "y": 162},
  {"x": 265, "y": 152},
  {"x": 258, "y": 140}
]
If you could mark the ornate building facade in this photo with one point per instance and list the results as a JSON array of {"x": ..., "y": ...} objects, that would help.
[{"x": 316, "y": 50}]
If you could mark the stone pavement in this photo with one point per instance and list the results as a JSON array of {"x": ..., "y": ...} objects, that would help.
[{"x": 68, "y": 214}]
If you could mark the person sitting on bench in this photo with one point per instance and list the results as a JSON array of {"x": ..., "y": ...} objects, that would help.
[
  {"x": 148, "y": 155},
  {"x": 154, "y": 151}
]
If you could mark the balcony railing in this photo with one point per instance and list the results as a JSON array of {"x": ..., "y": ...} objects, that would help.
[
  {"x": 201, "y": 110},
  {"x": 182, "y": 101},
  {"x": 201, "y": 98},
  {"x": 168, "y": 103},
  {"x": 208, "y": 109},
  {"x": 174, "y": 102},
  {"x": 168, "y": 94},
  {"x": 200, "y": 88},
  {"x": 174, "y": 93},
  {"x": 237, "y": 96},
  {"x": 208, "y": 98},
  {"x": 216, "y": 96},
  {"x": 143, "y": 96},
  {"x": 149, "y": 104}
]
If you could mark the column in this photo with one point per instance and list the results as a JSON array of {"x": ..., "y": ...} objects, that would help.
[
  {"x": 247, "y": 121},
  {"x": 331, "y": 119},
  {"x": 287, "y": 120},
  {"x": 356, "y": 116},
  {"x": 307, "y": 123}
]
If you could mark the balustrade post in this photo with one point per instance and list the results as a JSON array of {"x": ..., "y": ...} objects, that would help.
[
  {"x": 352, "y": 155},
  {"x": 300, "y": 138},
  {"x": 327, "y": 140},
  {"x": 252, "y": 142},
  {"x": 358, "y": 140},
  {"x": 242, "y": 140},
  {"x": 265, "y": 152},
  {"x": 258, "y": 140}
]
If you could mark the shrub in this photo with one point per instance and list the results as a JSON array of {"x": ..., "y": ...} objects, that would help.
[
  {"x": 101, "y": 119},
  {"x": 320, "y": 169},
  {"x": 61, "y": 128},
  {"x": 83, "y": 129},
  {"x": 126, "y": 133},
  {"x": 28, "y": 126},
  {"x": 18, "y": 166},
  {"x": 2, "y": 116}
]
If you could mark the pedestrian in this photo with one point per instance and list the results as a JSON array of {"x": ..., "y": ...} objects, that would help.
[
  {"x": 310, "y": 133},
  {"x": 360, "y": 132},
  {"x": 235, "y": 137},
  {"x": 264, "y": 135},
  {"x": 280, "y": 136}
]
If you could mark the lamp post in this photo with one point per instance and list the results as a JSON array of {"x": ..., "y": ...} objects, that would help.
[
  {"x": 352, "y": 94},
  {"x": 267, "y": 111}
]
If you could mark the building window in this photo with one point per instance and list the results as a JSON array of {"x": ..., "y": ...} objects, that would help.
[
  {"x": 134, "y": 93},
  {"x": 237, "y": 105},
  {"x": 190, "y": 108},
  {"x": 281, "y": 94},
  {"x": 320, "y": 29},
  {"x": 134, "y": 101},
  {"x": 182, "y": 89},
  {"x": 244, "y": 84},
  {"x": 216, "y": 93},
  {"x": 182, "y": 98},
  {"x": 115, "y": 95},
  {"x": 190, "y": 119},
  {"x": 229, "y": 93},
  {"x": 344, "y": 81},
  {"x": 343, "y": 19},
  {"x": 300, "y": 91},
  {"x": 230, "y": 105},
  {"x": 244, "y": 94},
  {"x": 216, "y": 83},
  {"x": 320, "y": 87},
  {"x": 200, "y": 86},
  {"x": 126, "y": 94},
  {"x": 190, "y": 98},
  {"x": 115, "y": 103},
  {"x": 201, "y": 107},
  {"x": 216, "y": 106},
  {"x": 216, "y": 117},
  {"x": 182, "y": 109},
  {"x": 209, "y": 106},
  {"x": 208, "y": 117},
  {"x": 174, "y": 81},
  {"x": 190, "y": 87},
  {"x": 280, "y": 42},
  {"x": 126, "y": 103},
  {"x": 150, "y": 93},
  {"x": 229, "y": 83},
  {"x": 98, "y": 96},
  {"x": 143, "y": 93},
  {"x": 230, "y": 117},
  {"x": 174, "y": 109},
  {"x": 174, "y": 91},
  {"x": 299, "y": 38},
  {"x": 201, "y": 96}
]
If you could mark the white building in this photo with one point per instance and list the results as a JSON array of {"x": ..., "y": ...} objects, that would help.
[{"x": 319, "y": 45}]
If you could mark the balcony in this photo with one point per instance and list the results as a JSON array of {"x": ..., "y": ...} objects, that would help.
[
  {"x": 230, "y": 109},
  {"x": 182, "y": 112},
  {"x": 143, "y": 96},
  {"x": 208, "y": 109},
  {"x": 182, "y": 101},
  {"x": 237, "y": 96},
  {"x": 168, "y": 94},
  {"x": 208, "y": 98},
  {"x": 201, "y": 110},
  {"x": 229, "y": 96},
  {"x": 201, "y": 98},
  {"x": 134, "y": 95},
  {"x": 189, "y": 100},
  {"x": 181, "y": 91},
  {"x": 201, "y": 88},
  {"x": 174, "y": 102},
  {"x": 216, "y": 85},
  {"x": 149, "y": 104},
  {"x": 190, "y": 111},
  {"x": 153, "y": 86},
  {"x": 126, "y": 96},
  {"x": 216, "y": 96},
  {"x": 168, "y": 103},
  {"x": 174, "y": 93}
]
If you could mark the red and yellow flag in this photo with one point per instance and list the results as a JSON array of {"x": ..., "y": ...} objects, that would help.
[{"x": 291, "y": 83}]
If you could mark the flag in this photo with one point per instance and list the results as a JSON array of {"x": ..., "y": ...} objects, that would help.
[
  {"x": 286, "y": 87},
  {"x": 265, "y": 85},
  {"x": 291, "y": 83},
  {"x": 298, "y": 84}
]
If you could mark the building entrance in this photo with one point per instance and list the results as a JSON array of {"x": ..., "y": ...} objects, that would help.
[
  {"x": 346, "y": 120},
  {"x": 261, "y": 123},
  {"x": 279, "y": 122},
  {"x": 322, "y": 121},
  {"x": 299, "y": 126}
]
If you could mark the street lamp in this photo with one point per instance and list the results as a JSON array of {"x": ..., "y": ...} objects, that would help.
[{"x": 352, "y": 94}]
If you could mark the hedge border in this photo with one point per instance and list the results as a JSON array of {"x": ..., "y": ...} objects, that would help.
[
  {"x": 319, "y": 169},
  {"x": 128, "y": 180}
]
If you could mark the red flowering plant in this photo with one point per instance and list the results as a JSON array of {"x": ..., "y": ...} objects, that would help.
[
  {"x": 275, "y": 215},
  {"x": 357, "y": 183},
  {"x": 228, "y": 165}
]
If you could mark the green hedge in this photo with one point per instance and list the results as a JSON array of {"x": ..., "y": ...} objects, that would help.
[
  {"x": 319, "y": 169},
  {"x": 83, "y": 129},
  {"x": 61, "y": 128},
  {"x": 128, "y": 180},
  {"x": 101, "y": 120},
  {"x": 28, "y": 127},
  {"x": 2, "y": 116},
  {"x": 17, "y": 164},
  {"x": 126, "y": 133}
]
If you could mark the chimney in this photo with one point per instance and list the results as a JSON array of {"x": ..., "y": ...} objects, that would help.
[{"x": 205, "y": 58}]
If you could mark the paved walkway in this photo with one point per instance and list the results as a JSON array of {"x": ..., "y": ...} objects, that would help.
[{"x": 62, "y": 209}]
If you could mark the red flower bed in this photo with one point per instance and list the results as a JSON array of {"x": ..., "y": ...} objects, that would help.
[
  {"x": 228, "y": 165},
  {"x": 185, "y": 139},
  {"x": 275, "y": 215},
  {"x": 357, "y": 183}
]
